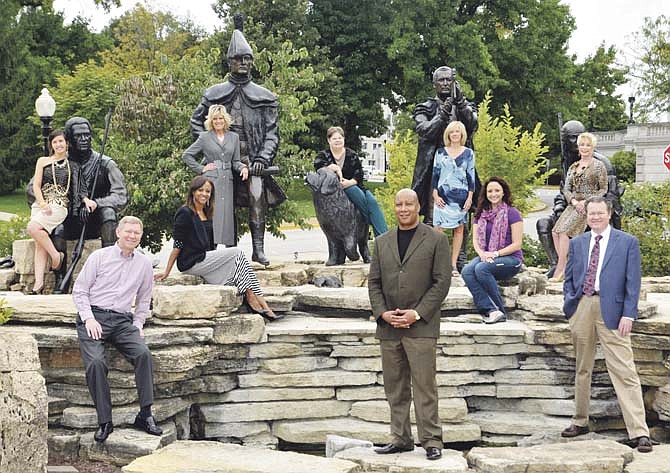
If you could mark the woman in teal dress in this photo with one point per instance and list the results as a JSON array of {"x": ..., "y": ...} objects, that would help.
[{"x": 453, "y": 185}]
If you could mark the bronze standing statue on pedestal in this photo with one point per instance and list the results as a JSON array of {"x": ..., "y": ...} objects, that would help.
[{"x": 254, "y": 110}]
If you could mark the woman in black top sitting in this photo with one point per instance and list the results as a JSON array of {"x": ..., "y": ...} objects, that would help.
[{"x": 195, "y": 252}]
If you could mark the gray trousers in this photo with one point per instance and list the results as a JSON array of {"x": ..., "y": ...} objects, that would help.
[
  {"x": 117, "y": 329},
  {"x": 409, "y": 367}
]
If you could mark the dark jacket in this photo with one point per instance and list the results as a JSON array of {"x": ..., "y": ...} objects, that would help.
[
  {"x": 191, "y": 233},
  {"x": 351, "y": 168}
]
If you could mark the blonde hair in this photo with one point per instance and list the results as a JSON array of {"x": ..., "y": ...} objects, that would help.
[
  {"x": 589, "y": 137},
  {"x": 455, "y": 125},
  {"x": 130, "y": 219},
  {"x": 218, "y": 111},
  {"x": 334, "y": 129}
]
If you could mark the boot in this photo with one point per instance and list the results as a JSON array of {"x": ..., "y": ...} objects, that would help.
[{"x": 257, "y": 243}]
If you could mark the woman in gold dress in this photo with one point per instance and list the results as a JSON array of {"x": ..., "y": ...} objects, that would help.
[{"x": 586, "y": 178}]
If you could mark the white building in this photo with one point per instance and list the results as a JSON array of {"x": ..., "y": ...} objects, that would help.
[
  {"x": 374, "y": 156},
  {"x": 647, "y": 141}
]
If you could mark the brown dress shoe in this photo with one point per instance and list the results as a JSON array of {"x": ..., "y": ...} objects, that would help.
[
  {"x": 644, "y": 445},
  {"x": 574, "y": 431}
]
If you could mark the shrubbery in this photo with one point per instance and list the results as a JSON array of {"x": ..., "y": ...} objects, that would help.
[
  {"x": 646, "y": 210},
  {"x": 624, "y": 163},
  {"x": 5, "y": 312},
  {"x": 15, "y": 229}
]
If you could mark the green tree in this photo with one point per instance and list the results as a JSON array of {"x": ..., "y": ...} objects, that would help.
[
  {"x": 624, "y": 163},
  {"x": 652, "y": 63},
  {"x": 506, "y": 150},
  {"x": 402, "y": 155}
]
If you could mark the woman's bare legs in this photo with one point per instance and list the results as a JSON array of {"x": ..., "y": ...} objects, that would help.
[
  {"x": 562, "y": 245},
  {"x": 258, "y": 302},
  {"x": 43, "y": 247},
  {"x": 456, "y": 246}
]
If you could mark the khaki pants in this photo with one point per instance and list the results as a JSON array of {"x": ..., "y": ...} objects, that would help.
[
  {"x": 587, "y": 327},
  {"x": 409, "y": 367}
]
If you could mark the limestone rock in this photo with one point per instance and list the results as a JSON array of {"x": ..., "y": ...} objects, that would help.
[
  {"x": 298, "y": 364},
  {"x": 295, "y": 275},
  {"x": 7, "y": 278},
  {"x": 184, "y": 358},
  {"x": 124, "y": 445},
  {"x": 361, "y": 393},
  {"x": 179, "y": 279},
  {"x": 315, "y": 431},
  {"x": 255, "y": 411},
  {"x": 285, "y": 394},
  {"x": 361, "y": 364},
  {"x": 336, "y": 443},
  {"x": 602, "y": 456},
  {"x": 486, "y": 349},
  {"x": 239, "y": 328},
  {"x": 481, "y": 363},
  {"x": 42, "y": 309},
  {"x": 357, "y": 351},
  {"x": 237, "y": 430},
  {"x": 452, "y": 461},
  {"x": 556, "y": 407},
  {"x": 277, "y": 350},
  {"x": 86, "y": 418},
  {"x": 296, "y": 325},
  {"x": 23, "y": 397},
  {"x": 450, "y": 410},
  {"x": 534, "y": 377},
  {"x": 555, "y": 437},
  {"x": 63, "y": 444},
  {"x": 654, "y": 462},
  {"x": 200, "y": 302},
  {"x": 80, "y": 395},
  {"x": 517, "y": 423},
  {"x": 211, "y": 457},
  {"x": 315, "y": 379}
]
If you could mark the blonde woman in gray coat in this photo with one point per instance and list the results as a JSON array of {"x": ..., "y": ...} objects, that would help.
[{"x": 221, "y": 157}]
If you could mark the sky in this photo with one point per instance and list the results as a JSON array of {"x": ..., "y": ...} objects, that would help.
[{"x": 610, "y": 21}]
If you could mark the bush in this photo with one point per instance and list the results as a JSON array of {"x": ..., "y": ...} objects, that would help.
[
  {"x": 624, "y": 163},
  {"x": 502, "y": 149},
  {"x": 402, "y": 156},
  {"x": 646, "y": 210},
  {"x": 15, "y": 229},
  {"x": 5, "y": 312},
  {"x": 533, "y": 253}
]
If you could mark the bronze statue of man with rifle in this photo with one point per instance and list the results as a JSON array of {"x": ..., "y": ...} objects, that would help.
[
  {"x": 102, "y": 191},
  {"x": 431, "y": 119}
]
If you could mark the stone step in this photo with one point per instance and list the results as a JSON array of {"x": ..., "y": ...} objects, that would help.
[
  {"x": 518, "y": 423},
  {"x": 554, "y": 407},
  {"x": 602, "y": 456},
  {"x": 452, "y": 461},
  {"x": 86, "y": 418},
  {"x": 315, "y": 431},
  {"x": 452, "y": 410},
  {"x": 215, "y": 457}
]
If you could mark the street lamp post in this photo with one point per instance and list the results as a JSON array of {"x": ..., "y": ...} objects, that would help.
[
  {"x": 45, "y": 106},
  {"x": 631, "y": 101},
  {"x": 592, "y": 107}
]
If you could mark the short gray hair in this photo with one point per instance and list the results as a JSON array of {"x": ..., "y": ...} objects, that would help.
[{"x": 132, "y": 220}]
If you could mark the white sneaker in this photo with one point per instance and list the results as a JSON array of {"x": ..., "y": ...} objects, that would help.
[{"x": 495, "y": 317}]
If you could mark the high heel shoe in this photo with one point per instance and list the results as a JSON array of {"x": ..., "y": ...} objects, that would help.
[
  {"x": 560, "y": 278},
  {"x": 60, "y": 261},
  {"x": 263, "y": 313},
  {"x": 37, "y": 292}
]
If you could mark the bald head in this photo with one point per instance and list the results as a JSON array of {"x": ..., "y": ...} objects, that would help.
[{"x": 407, "y": 209}]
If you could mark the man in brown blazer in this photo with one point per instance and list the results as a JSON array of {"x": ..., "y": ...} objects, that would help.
[{"x": 410, "y": 275}]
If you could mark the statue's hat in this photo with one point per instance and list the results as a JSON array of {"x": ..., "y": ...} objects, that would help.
[{"x": 238, "y": 43}]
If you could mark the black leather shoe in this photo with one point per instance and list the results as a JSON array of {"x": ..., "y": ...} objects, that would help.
[
  {"x": 433, "y": 453},
  {"x": 392, "y": 448},
  {"x": 574, "y": 431},
  {"x": 103, "y": 432},
  {"x": 148, "y": 425}
]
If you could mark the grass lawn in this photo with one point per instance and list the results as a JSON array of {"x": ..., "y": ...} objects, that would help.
[{"x": 15, "y": 203}]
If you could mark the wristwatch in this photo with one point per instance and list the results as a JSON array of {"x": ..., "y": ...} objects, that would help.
[
  {"x": 417, "y": 317},
  {"x": 496, "y": 253}
]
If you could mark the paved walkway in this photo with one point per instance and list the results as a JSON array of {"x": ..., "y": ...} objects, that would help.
[{"x": 6, "y": 217}]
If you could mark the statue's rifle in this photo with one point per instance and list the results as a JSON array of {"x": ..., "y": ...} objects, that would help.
[
  {"x": 454, "y": 115},
  {"x": 79, "y": 247}
]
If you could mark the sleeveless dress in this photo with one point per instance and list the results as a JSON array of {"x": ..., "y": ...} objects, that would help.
[
  {"x": 55, "y": 191},
  {"x": 453, "y": 178}
]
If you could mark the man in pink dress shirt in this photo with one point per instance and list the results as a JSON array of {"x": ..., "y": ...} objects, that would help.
[{"x": 104, "y": 291}]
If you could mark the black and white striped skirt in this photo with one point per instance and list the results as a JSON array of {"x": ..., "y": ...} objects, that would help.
[{"x": 227, "y": 267}]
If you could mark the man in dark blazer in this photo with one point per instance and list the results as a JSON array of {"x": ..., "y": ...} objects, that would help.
[
  {"x": 410, "y": 275},
  {"x": 601, "y": 290}
]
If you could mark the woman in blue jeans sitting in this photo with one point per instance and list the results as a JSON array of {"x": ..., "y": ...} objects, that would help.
[
  {"x": 497, "y": 236},
  {"x": 345, "y": 163}
]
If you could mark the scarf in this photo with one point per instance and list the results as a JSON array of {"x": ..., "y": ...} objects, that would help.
[{"x": 498, "y": 237}]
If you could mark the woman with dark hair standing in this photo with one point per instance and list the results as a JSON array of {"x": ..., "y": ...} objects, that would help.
[
  {"x": 195, "y": 251},
  {"x": 51, "y": 186},
  {"x": 345, "y": 163},
  {"x": 220, "y": 148},
  {"x": 497, "y": 237}
]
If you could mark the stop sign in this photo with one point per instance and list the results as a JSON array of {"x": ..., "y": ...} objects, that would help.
[{"x": 666, "y": 157}]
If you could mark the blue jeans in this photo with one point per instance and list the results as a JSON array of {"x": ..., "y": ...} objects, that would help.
[
  {"x": 481, "y": 281},
  {"x": 367, "y": 205}
]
